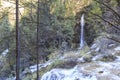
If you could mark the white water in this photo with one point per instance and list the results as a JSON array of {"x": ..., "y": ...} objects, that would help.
[
  {"x": 82, "y": 32},
  {"x": 34, "y": 67},
  {"x": 88, "y": 71},
  {"x": 67, "y": 74}
]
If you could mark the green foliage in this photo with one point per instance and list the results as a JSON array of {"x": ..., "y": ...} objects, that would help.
[
  {"x": 0, "y": 3},
  {"x": 96, "y": 8},
  {"x": 113, "y": 3},
  {"x": 4, "y": 27}
]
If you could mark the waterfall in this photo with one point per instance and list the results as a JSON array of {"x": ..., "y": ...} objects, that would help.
[{"x": 82, "y": 32}]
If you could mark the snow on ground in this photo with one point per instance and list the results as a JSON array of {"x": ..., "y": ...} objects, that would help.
[
  {"x": 118, "y": 59},
  {"x": 96, "y": 57},
  {"x": 117, "y": 48},
  {"x": 4, "y": 53},
  {"x": 34, "y": 67}
]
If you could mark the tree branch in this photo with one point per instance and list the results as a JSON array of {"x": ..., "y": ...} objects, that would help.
[
  {"x": 114, "y": 38},
  {"x": 106, "y": 21},
  {"x": 108, "y": 8}
]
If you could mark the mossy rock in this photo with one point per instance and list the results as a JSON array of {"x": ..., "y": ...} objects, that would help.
[
  {"x": 108, "y": 58},
  {"x": 87, "y": 58},
  {"x": 65, "y": 64},
  {"x": 94, "y": 53}
]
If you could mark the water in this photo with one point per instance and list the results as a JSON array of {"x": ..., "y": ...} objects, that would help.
[
  {"x": 82, "y": 32},
  {"x": 67, "y": 74}
]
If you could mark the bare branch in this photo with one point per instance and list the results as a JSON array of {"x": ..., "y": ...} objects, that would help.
[
  {"x": 108, "y": 8},
  {"x": 106, "y": 21}
]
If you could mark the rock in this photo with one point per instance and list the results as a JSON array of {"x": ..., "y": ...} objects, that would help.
[
  {"x": 103, "y": 57},
  {"x": 97, "y": 57},
  {"x": 82, "y": 60},
  {"x": 108, "y": 58},
  {"x": 104, "y": 45},
  {"x": 93, "y": 46},
  {"x": 97, "y": 49},
  {"x": 111, "y": 46},
  {"x": 93, "y": 53}
]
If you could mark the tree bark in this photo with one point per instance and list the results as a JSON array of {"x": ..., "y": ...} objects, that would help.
[
  {"x": 37, "y": 43},
  {"x": 17, "y": 42}
]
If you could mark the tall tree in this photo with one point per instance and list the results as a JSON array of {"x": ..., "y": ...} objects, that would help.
[
  {"x": 37, "y": 43},
  {"x": 17, "y": 42}
]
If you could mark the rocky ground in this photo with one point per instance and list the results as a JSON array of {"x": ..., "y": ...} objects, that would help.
[{"x": 101, "y": 61}]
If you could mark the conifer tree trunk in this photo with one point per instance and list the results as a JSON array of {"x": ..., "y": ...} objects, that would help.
[
  {"x": 37, "y": 43},
  {"x": 17, "y": 41}
]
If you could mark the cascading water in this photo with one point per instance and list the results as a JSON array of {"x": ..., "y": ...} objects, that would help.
[
  {"x": 67, "y": 74},
  {"x": 82, "y": 32}
]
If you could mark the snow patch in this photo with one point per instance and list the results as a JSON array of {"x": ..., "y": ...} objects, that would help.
[
  {"x": 4, "y": 53},
  {"x": 93, "y": 46},
  {"x": 96, "y": 57},
  {"x": 97, "y": 49},
  {"x": 111, "y": 45},
  {"x": 117, "y": 48},
  {"x": 81, "y": 59},
  {"x": 118, "y": 58},
  {"x": 34, "y": 67}
]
